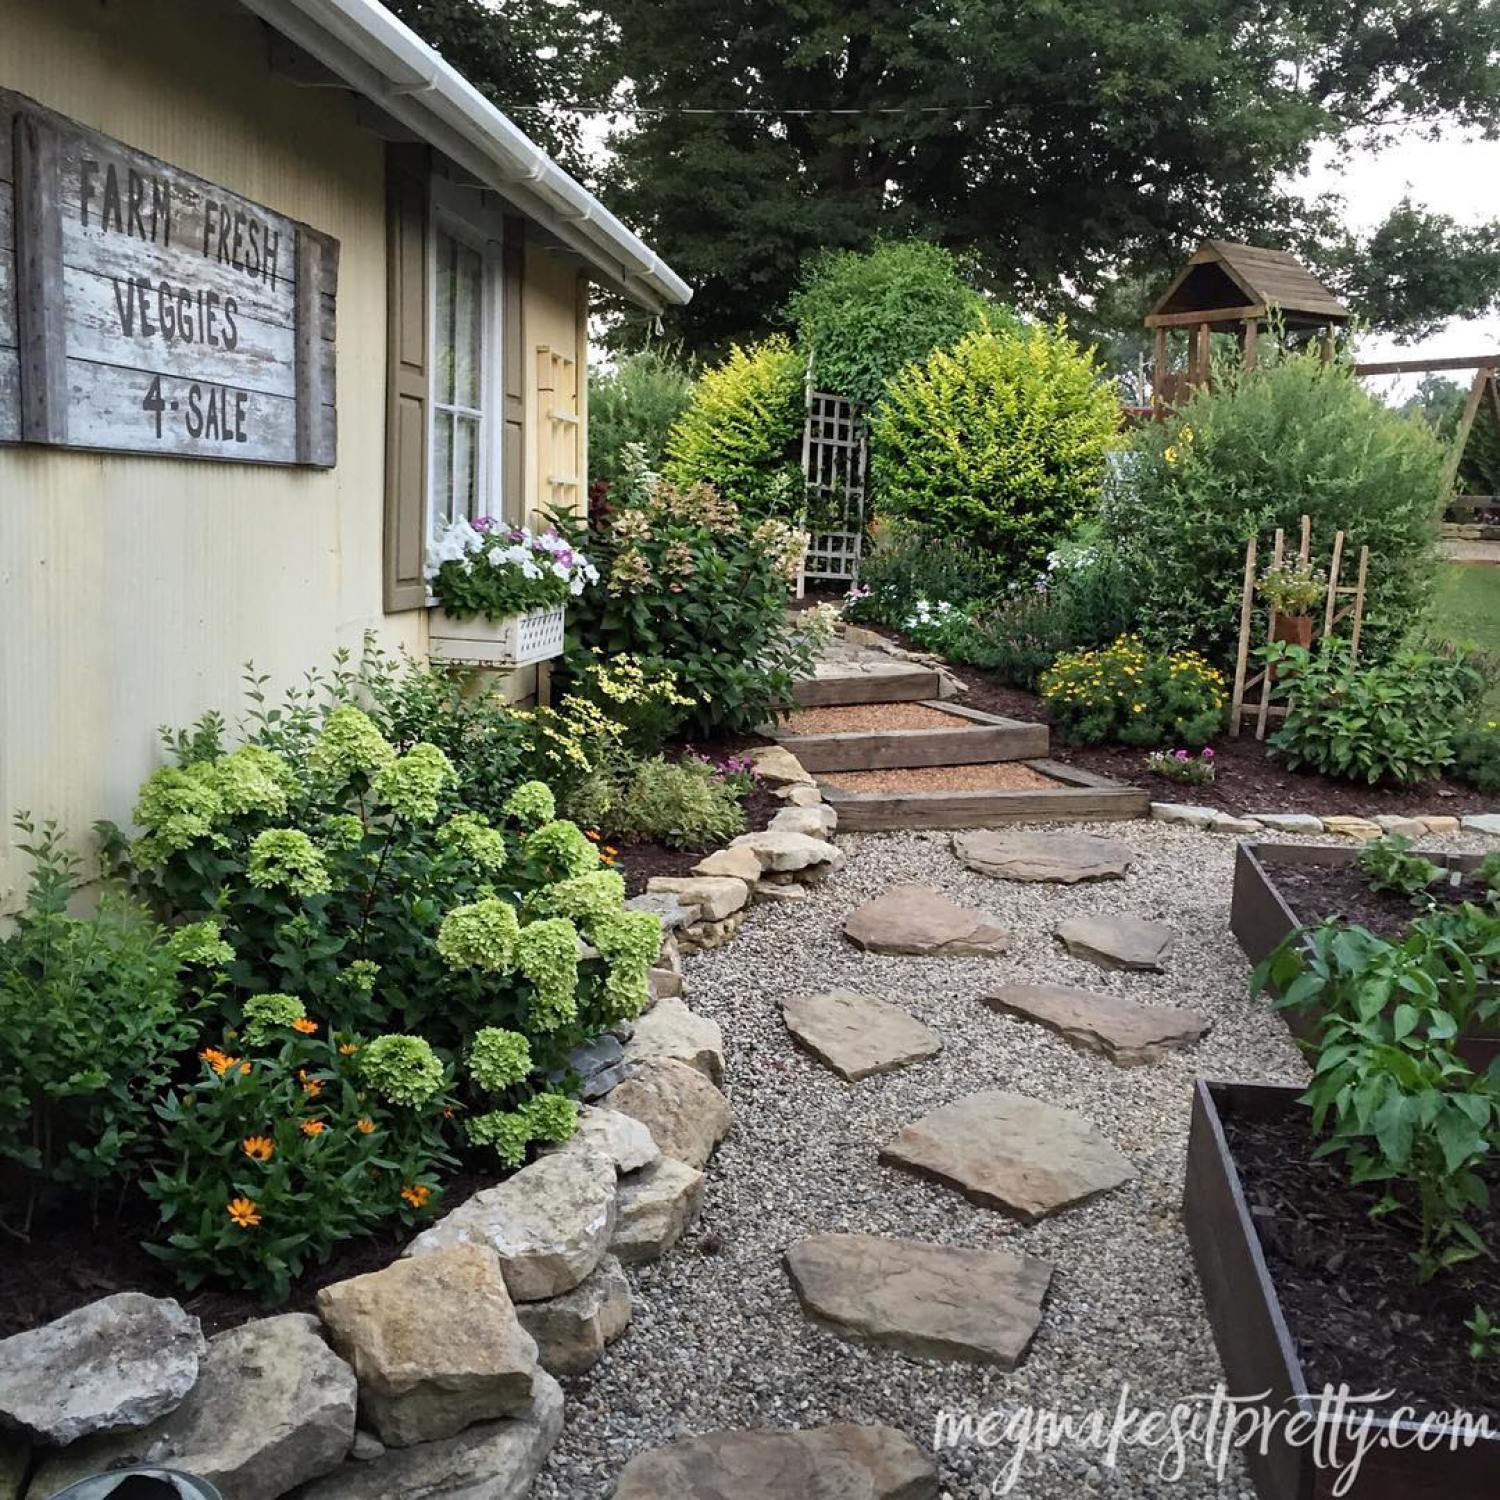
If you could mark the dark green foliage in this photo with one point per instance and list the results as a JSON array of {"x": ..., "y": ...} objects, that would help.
[
  {"x": 1476, "y": 757},
  {"x": 865, "y": 317},
  {"x": 683, "y": 804},
  {"x": 636, "y": 402},
  {"x": 904, "y": 566},
  {"x": 1391, "y": 866}
]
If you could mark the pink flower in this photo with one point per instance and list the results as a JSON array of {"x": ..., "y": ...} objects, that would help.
[
  {"x": 1208, "y": 753},
  {"x": 1180, "y": 754}
]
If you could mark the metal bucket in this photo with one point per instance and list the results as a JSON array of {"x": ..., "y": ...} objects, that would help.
[{"x": 140, "y": 1484}]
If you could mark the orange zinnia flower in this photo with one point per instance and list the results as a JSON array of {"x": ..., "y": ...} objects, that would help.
[
  {"x": 347, "y": 1049},
  {"x": 591, "y": 836},
  {"x": 417, "y": 1194},
  {"x": 313, "y": 1127},
  {"x": 306, "y": 1026},
  {"x": 258, "y": 1147},
  {"x": 243, "y": 1212},
  {"x": 222, "y": 1062},
  {"x": 310, "y": 1086},
  {"x": 610, "y": 849},
  {"x": 364, "y": 1127}
]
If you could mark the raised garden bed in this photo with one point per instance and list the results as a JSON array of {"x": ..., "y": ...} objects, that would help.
[
  {"x": 1276, "y": 891},
  {"x": 1304, "y": 1290}
]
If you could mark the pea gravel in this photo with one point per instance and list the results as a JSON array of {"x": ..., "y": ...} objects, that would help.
[{"x": 717, "y": 1339}]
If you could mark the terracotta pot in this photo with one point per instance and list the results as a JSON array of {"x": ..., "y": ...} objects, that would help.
[{"x": 1297, "y": 629}]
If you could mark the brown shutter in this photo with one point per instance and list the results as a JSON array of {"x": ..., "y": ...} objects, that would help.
[
  {"x": 514, "y": 502},
  {"x": 406, "y": 378}
]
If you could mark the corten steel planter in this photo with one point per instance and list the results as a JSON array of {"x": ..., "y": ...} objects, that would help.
[
  {"x": 1261, "y": 919},
  {"x": 1295, "y": 629},
  {"x": 1256, "y": 1345}
]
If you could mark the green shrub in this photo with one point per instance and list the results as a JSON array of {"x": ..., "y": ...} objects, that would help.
[
  {"x": 637, "y": 402},
  {"x": 92, "y": 1022},
  {"x": 866, "y": 315},
  {"x": 1476, "y": 756},
  {"x": 1259, "y": 450},
  {"x": 1389, "y": 865},
  {"x": 905, "y": 565},
  {"x": 1394, "y": 721},
  {"x": 998, "y": 444},
  {"x": 1128, "y": 695},
  {"x": 741, "y": 431},
  {"x": 694, "y": 589},
  {"x": 684, "y": 804}
]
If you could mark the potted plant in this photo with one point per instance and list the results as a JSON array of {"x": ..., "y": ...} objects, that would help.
[
  {"x": 502, "y": 592},
  {"x": 1292, "y": 589}
]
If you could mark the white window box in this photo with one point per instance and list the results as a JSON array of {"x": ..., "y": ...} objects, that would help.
[{"x": 517, "y": 641}]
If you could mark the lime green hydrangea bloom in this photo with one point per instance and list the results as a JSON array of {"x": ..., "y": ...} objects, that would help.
[
  {"x": 401, "y": 1069},
  {"x": 506, "y": 1130},
  {"x": 350, "y": 745},
  {"x": 550, "y": 1117},
  {"x": 531, "y": 804},
  {"x": 360, "y": 975},
  {"x": 200, "y": 943},
  {"x": 287, "y": 858},
  {"x": 176, "y": 808},
  {"x": 562, "y": 849},
  {"x": 266, "y": 1013},
  {"x": 411, "y": 786},
  {"x": 498, "y": 1058},
  {"x": 252, "y": 779},
  {"x": 471, "y": 836},
  {"x": 481, "y": 935},
  {"x": 547, "y": 954},
  {"x": 342, "y": 831},
  {"x": 631, "y": 941},
  {"x": 585, "y": 899}
]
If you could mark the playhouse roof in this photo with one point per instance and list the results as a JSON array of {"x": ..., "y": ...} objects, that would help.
[{"x": 1227, "y": 283}]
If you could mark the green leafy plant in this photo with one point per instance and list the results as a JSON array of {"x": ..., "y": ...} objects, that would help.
[
  {"x": 635, "y": 404},
  {"x": 1389, "y": 1095},
  {"x": 1476, "y": 756},
  {"x": 685, "y": 804},
  {"x": 93, "y": 1019},
  {"x": 1183, "y": 766},
  {"x": 1292, "y": 588},
  {"x": 1392, "y": 721},
  {"x": 1390, "y": 866},
  {"x": 1257, "y": 450},
  {"x": 904, "y": 565},
  {"x": 1484, "y": 1335},
  {"x": 740, "y": 431},
  {"x": 999, "y": 443},
  {"x": 1131, "y": 696},
  {"x": 865, "y": 316}
]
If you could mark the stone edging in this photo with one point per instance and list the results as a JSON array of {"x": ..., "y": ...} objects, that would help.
[{"x": 1214, "y": 820}]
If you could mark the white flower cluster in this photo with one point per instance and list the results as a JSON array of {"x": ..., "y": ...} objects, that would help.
[
  {"x": 924, "y": 613},
  {"x": 487, "y": 542}
]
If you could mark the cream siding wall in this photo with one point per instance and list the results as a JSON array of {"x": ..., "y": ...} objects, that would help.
[{"x": 132, "y": 589}]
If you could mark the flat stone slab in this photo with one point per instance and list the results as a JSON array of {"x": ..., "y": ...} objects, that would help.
[
  {"x": 814, "y": 1463},
  {"x": 1011, "y": 1152},
  {"x": 1119, "y": 1029},
  {"x": 1119, "y": 942},
  {"x": 919, "y": 920},
  {"x": 1482, "y": 823},
  {"x": 857, "y": 1035},
  {"x": 1062, "y": 858},
  {"x": 1288, "y": 822},
  {"x": 930, "y": 1300}
]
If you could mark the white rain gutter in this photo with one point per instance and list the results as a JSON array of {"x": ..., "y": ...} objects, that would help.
[{"x": 378, "y": 56}]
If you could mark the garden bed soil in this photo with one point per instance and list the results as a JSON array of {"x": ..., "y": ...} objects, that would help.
[
  {"x": 1346, "y": 1282},
  {"x": 1318, "y": 891},
  {"x": 640, "y": 859}
]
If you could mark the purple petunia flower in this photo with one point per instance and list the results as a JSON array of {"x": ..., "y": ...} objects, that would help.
[{"x": 1208, "y": 753}]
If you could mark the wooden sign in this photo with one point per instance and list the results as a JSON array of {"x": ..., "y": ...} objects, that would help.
[{"x": 145, "y": 310}]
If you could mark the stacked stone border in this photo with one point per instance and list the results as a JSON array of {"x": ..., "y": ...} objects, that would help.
[{"x": 1413, "y": 826}]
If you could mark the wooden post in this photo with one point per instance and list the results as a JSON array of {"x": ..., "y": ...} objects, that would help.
[
  {"x": 1265, "y": 687},
  {"x": 1333, "y": 583},
  {"x": 1304, "y": 549},
  {"x": 1202, "y": 354},
  {"x": 1359, "y": 602},
  {"x": 39, "y": 282},
  {"x": 1465, "y": 427},
  {"x": 1159, "y": 376},
  {"x": 1327, "y": 346},
  {"x": 1252, "y": 336},
  {"x": 1242, "y": 655}
]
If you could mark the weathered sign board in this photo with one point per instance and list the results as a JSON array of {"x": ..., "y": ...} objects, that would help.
[{"x": 145, "y": 310}]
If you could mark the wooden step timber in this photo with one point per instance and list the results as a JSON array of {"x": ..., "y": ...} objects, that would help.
[
  {"x": 900, "y": 684},
  {"x": 974, "y": 739},
  {"x": 1083, "y": 797}
]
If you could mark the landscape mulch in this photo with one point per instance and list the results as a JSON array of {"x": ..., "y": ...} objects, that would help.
[
  {"x": 640, "y": 859},
  {"x": 1347, "y": 1284}
]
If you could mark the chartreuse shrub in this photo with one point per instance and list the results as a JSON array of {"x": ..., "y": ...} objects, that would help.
[
  {"x": 740, "y": 432},
  {"x": 685, "y": 804},
  {"x": 1125, "y": 694},
  {"x": 998, "y": 443},
  {"x": 695, "y": 590},
  {"x": 1258, "y": 450}
]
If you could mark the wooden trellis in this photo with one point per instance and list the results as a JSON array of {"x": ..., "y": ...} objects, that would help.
[
  {"x": 1260, "y": 707},
  {"x": 835, "y": 460}
]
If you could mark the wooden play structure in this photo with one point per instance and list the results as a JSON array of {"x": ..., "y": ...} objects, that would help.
[
  {"x": 1253, "y": 692},
  {"x": 1229, "y": 288}
]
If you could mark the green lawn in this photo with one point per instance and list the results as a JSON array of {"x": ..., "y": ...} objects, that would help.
[{"x": 1467, "y": 608}]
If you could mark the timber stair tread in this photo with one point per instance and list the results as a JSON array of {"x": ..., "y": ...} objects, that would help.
[
  {"x": 842, "y": 682},
  {"x": 949, "y": 735}
]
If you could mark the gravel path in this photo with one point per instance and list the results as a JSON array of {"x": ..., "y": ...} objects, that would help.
[{"x": 717, "y": 1338}]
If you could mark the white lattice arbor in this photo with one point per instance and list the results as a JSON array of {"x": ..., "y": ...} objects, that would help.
[{"x": 835, "y": 461}]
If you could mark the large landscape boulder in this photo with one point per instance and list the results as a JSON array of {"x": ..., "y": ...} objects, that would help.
[
  {"x": 550, "y": 1223},
  {"x": 571, "y": 1331},
  {"x": 1011, "y": 1152},
  {"x": 1119, "y": 1029},
  {"x": 655, "y": 1206},
  {"x": 787, "y": 851},
  {"x": 670, "y": 1029},
  {"x": 919, "y": 920},
  {"x": 778, "y": 767},
  {"x": 1060, "y": 857},
  {"x": 813, "y": 1463},
  {"x": 624, "y": 1140},
  {"x": 857, "y": 1035},
  {"x": 273, "y": 1408},
  {"x": 434, "y": 1343},
  {"x": 714, "y": 896},
  {"x": 490, "y": 1461},
  {"x": 686, "y": 1115},
  {"x": 113, "y": 1365}
]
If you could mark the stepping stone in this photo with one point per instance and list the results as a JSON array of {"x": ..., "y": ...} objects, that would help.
[
  {"x": 930, "y": 1300},
  {"x": 857, "y": 1035},
  {"x": 1010, "y": 1152},
  {"x": 1119, "y": 942},
  {"x": 686, "y": 1115},
  {"x": 1064, "y": 858},
  {"x": 814, "y": 1463},
  {"x": 917, "y": 919},
  {"x": 1119, "y": 1029}
]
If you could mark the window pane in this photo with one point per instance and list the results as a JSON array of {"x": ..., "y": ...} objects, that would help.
[
  {"x": 466, "y": 466},
  {"x": 467, "y": 325},
  {"x": 444, "y": 292},
  {"x": 442, "y": 469}
]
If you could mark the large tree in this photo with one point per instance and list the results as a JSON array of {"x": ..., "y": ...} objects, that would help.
[{"x": 1064, "y": 142}]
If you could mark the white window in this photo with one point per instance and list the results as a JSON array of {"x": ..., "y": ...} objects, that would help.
[{"x": 464, "y": 473}]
